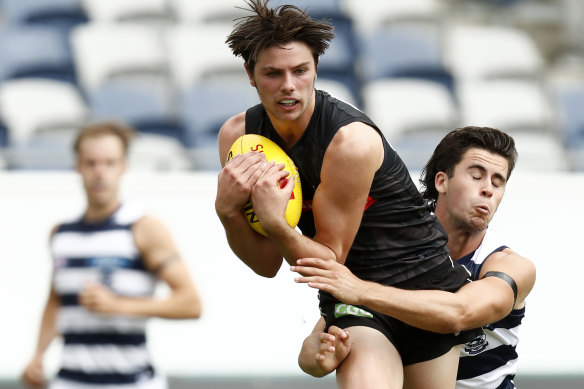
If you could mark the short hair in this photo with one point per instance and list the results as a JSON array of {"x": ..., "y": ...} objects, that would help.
[
  {"x": 267, "y": 27},
  {"x": 95, "y": 130},
  {"x": 451, "y": 149}
]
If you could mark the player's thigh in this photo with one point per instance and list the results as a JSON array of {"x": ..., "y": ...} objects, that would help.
[
  {"x": 437, "y": 373},
  {"x": 372, "y": 363}
]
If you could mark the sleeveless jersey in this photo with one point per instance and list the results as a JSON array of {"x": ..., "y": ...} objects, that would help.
[
  {"x": 101, "y": 349},
  {"x": 490, "y": 360},
  {"x": 398, "y": 237}
]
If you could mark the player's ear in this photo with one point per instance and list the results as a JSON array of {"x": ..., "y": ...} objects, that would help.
[
  {"x": 441, "y": 182},
  {"x": 249, "y": 75}
]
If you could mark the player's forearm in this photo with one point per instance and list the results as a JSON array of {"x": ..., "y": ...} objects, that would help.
[
  {"x": 255, "y": 250},
  {"x": 431, "y": 310},
  {"x": 294, "y": 245},
  {"x": 48, "y": 328},
  {"x": 179, "y": 305}
]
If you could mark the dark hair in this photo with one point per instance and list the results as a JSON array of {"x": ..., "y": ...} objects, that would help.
[
  {"x": 452, "y": 147},
  {"x": 94, "y": 130},
  {"x": 268, "y": 27}
]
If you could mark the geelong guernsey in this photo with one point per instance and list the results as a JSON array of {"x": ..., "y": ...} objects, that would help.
[
  {"x": 398, "y": 237},
  {"x": 489, "y": 361},
  {"x": 101, "y": 349}
]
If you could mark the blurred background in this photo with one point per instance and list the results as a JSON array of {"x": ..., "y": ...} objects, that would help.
[{"x": 418, "y": 68}]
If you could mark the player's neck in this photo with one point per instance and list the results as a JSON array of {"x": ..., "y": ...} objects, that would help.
[
  {"x": 97, "y": 212},
  {"x": 461, "y": 242}
]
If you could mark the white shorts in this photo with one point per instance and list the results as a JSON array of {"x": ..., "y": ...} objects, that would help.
[{"x": 156, "y": 382}]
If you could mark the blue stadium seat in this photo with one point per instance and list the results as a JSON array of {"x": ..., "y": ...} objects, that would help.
[
  {"x": 62, "y": 14},
  {"x": 31, "y": 106},
  {"x": 4, "y": 141},
  {"x": 404, "y": 52},
  {"x": 146, "y": 106},
  {"x": 205, "y": 106},
  {"x": 338, "y": 62},
  {"x": 320, "y": 7},
  {"x": 570, "y": 103},
  {"x": 35, "y": 51}
]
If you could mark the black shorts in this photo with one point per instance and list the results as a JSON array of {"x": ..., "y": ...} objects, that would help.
[{"x": 413, "y": 344}]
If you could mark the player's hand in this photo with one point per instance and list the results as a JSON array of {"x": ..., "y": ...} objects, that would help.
[
  {"x": 334, "y": 348},
  {"x": 97, "y": 298},
  {"x": 323, "y": 352},
  {"x": 329, "y": 276},
  {"x": 236, "y": 179},
  {"x": 270, "y": 196},
  {"x": 33, "y": 376}
]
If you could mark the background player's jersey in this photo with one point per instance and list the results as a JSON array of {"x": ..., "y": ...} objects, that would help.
[
  {"x": 101, "y": 349},
  {"x": 398, "y": 237},
  {"x": 489, "y": 361}
]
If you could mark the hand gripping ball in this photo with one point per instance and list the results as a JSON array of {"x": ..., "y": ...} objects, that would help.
[{"x": 273, "y": 152}]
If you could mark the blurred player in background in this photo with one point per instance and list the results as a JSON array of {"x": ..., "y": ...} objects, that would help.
[
  {"x": 362, "y": 208},
  {"x": 105, "y": 268},
  {"x": 465, "y": 181}
]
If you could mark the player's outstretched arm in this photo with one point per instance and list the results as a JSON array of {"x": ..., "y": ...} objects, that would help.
[
  {"x": 162, "y": 258},
  {"x": 476, "y": 304},
  {"x": 323, "y": 352},
  {"x": 234, "y": 184}
]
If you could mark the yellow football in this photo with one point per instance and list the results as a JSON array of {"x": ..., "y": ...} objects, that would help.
[{"x": 273, "y": 152}]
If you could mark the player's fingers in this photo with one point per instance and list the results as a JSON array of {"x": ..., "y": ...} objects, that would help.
[
  {"x": 259, "y": 172},
  {"x": 242, "y": 163},
  {"x": 326, "y": 337},
  {"x": 339, "y": 333},
  {"x": 307, "y": 271},
  {"x": 274, "y": 172},
  {"x": 315, "y": 262}
]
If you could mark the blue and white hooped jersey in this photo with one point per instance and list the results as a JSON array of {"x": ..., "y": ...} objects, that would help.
[
  {"x": 489, "y": 361},
  {"x": 101, "y": 349}
]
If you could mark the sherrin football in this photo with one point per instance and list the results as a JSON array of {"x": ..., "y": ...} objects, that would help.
[{"x": 273, "y": 152}]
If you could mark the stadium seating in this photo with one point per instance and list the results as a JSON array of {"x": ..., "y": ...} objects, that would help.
[
  {"x": 197, "y": 51},
  {"x": 194, "y": 12},
  {"x": 336, "y": 89},
  {"x": 30, "y": 106},
  {"x": 148, "y": 107},
  {"x": 105, "y": 51},
  {"x": 488, "y": 52},
  {"x": 151, "y": 152},
  {"x": 383, "y": 12},
  {"x": 403, "y": 51},
  {"x": 399, "y": 106},
  {"x": 163, "y": 67},
  {"x": 511, "y": 105},
  {"x": 60, "y": 14},
  {"x": 35, "y": 51},
  {"x": 569, "y": 100},
  {"x": 149, "y": 11},
  {"x": 203, "y": 115}
]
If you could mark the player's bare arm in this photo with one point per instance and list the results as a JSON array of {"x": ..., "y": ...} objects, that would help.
[
  {"x": 234, "y": 185},
  {"x": 162, "y": 258},
  {"x": 521, "y": 270},
  {"x": 474, "y": 305},
  {"x": 350, "y": 162},
  {"x": 33, "y": 374}
]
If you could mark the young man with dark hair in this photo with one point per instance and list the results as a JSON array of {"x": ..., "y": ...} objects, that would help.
[
  {"x": 464, "y": 181},
  {"x": 361, "y": 206}
]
